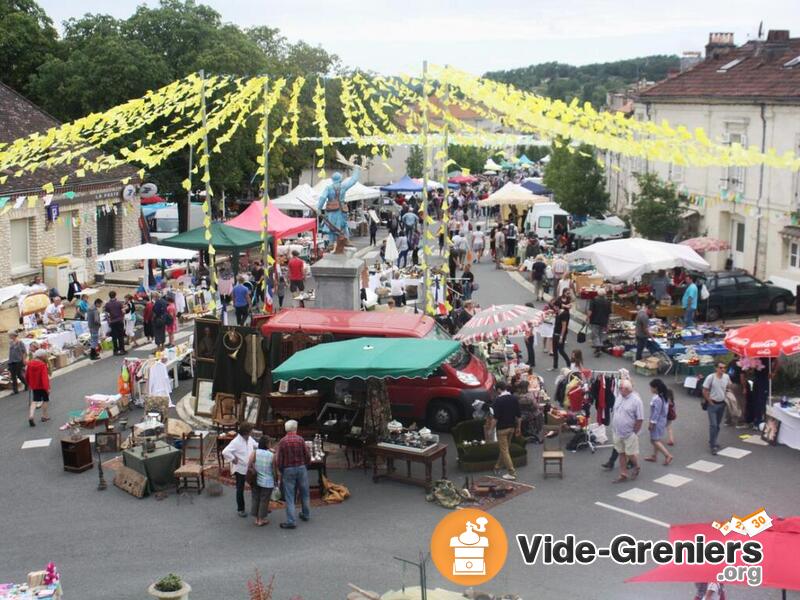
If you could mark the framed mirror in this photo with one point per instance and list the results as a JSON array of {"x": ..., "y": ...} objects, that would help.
[
  {"x": 204, "y": 398},
  {"x": 250, "y": 405}
]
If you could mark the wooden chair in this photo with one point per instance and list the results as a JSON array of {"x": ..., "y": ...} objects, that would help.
[
  {"x": 225, "y": 415},
  {"x": 551, "y": 450},
  {"x": 192, "y": 463}
]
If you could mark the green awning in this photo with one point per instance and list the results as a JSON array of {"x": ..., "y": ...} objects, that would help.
[
  {"x": 593, "y": 230},
  {"x": 362, "y": 358},
  {"x": 224, "y": 238}
]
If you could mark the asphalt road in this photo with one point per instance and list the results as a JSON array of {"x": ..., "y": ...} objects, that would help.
[{"x": 111, "y": 545}]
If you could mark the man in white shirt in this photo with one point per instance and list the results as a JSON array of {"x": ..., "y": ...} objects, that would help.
[
  {"x": 54, "y": 313},
  {"x": 715, "y": 387},
  {"x": 238, "y": 453}
]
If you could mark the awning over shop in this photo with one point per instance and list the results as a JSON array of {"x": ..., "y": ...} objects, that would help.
[
  {"x": 791, "y": 231},
  {"x": 363, "y": 358}
]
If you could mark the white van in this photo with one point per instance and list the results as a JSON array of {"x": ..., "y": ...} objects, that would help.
[
  {"x": 542, "y": 219},
  {"x": 163, "y": 223}
]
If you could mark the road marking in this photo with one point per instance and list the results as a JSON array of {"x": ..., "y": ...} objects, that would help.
[
  {"x": 732, "y": 452},
  {"x": 635, "y": 515},
  {"x": 40, "y": 443},
  {"x": 637, "y": 495},
  {"x": 704, "y": 466},
  {"x": 672, "y": 480}
]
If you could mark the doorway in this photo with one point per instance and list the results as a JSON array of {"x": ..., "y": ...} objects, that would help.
[{"x": 737, "y": 243}]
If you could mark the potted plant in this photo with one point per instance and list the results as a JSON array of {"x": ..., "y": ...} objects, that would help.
[{"x": 170, "y": 587}]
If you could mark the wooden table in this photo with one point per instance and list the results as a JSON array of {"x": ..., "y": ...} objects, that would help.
[{"x": 391, "y": 454}]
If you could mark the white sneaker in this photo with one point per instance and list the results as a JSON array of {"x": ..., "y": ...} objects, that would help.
[{"x": 510, "y": 477}]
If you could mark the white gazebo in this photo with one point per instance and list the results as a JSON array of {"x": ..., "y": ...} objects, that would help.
[{"x": 513, "y": 193}]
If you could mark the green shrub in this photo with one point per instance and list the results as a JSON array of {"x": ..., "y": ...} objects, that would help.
[{"x": 170, "y": 583}]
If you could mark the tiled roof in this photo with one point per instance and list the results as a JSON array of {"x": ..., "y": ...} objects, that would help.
[
  {"x": 760, "y": 74},
  {"x": 20, "y": 117}
]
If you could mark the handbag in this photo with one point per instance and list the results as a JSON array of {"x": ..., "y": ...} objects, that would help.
[
  {"x": 582, "y": 334},
  {"x": 251, "y": 477},
  {"x": 671, "y": 414}
]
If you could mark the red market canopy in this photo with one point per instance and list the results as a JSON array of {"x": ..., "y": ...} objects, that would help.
[
  {"x": 766, "y": 339},
  {"x": 780, "y": 545},
  {"x": 463, "y": 179},
  {"x": 279, "y": 224}
]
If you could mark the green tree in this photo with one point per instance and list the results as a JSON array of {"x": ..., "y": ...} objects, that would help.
[
  {"x": 415, "y": 163},
  {"x": 656, "y": 208},
  {"x": 468, "y": 157},
  {"x": 27, "y": 39},
  {"x": 577, "y": 180}
]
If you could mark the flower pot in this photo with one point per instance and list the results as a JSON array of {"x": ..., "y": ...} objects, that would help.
[{"x": 181, "y": 594}]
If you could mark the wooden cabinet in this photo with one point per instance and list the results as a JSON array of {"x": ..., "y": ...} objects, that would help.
[
  {"x": 303, "y": 408},
  {"x": 77, "y": 454}
]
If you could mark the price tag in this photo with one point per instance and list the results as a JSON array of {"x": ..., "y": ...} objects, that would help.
[
  {"x": 757, "y": 522},
  {"x": 736, "y": 523}
]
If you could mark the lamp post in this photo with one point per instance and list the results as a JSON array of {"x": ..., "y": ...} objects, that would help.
[{"x": 101, "y": 485}]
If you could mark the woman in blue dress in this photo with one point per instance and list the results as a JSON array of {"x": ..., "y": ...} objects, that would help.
[{"x": 659, "y": 407}]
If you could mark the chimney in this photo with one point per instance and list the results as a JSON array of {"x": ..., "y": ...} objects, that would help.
[
  {"x": 778, "y": 35},
  {"x": 690, "y": 59},
  {"x": 719, "y": 43}
]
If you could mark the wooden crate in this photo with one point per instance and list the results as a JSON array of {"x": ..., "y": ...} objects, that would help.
[{"x": 130, "y": 481}]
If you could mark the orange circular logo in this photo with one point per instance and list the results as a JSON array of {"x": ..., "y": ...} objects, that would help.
[{"x": 469, "y": 547}]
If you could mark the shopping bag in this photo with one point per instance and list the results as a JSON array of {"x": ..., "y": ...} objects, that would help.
[{"x": 582, "y": 335}]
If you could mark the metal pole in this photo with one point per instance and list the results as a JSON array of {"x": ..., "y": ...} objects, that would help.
[
  {"x": 265, "y": 200},
  {"x": 425, "y": 212},
  {"x": 212, "y": 259}
]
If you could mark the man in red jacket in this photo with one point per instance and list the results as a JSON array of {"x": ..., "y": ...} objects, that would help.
[{"x": 38, "y": 379}]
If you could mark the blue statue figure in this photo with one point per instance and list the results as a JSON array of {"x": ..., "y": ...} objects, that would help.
[{"x": 332, "y": 202}]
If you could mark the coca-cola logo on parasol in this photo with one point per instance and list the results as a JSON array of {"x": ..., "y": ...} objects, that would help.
[
  {"x": 764, "y": 344},
  {"x": 792, "y": 341}
]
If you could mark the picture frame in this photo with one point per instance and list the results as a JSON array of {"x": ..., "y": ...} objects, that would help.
[
  {"x": 206, "y": 339},
  {"x": 107, "y": 441},
  {"x": 250, "y": 405},
  {"x": 772, "y": 427},
  {"x": 204, "y": 398}
]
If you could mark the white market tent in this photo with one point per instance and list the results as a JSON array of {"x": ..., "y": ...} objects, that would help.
[
  {"x": 292, "y": 200},
  {"x": 513, "y": 193},
  {"x": 149, "y": 252},
  {"x": 491, "y": 166},
  {"x": 356, "y": 193},
  {"x": 629, "y": 259}
]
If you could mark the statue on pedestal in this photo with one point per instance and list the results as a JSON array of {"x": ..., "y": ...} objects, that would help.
[{"x": 332, "y": 202}]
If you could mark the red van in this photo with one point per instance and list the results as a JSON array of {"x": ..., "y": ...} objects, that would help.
[{"x": 442, "y": 399}]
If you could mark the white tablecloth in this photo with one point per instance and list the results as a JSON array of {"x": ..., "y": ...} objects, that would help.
[
  {"x": 789, "y": 433},
  {"x": 56, "y": 340}
]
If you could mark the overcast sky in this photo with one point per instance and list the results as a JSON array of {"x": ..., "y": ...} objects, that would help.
[{"x": 393, "y": 36}]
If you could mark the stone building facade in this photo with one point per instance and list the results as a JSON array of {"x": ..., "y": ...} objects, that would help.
[{"x": 93, "y": 218}]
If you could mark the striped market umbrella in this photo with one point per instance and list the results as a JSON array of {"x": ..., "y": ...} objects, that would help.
[
  {"x": 706, "y": 244},
  {"x": 498, "y": 321}
]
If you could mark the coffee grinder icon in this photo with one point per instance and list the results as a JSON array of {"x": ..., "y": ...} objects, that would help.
[{"x": 469, "y": 549}]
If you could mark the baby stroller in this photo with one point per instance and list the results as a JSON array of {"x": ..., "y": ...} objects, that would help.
[{"x": 664, "y": 360}]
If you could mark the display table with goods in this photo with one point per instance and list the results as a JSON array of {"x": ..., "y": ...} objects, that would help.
[
  {"x": 788, "y": 416},
  {"x": 157, "y": 463},
  {"x": 139, "y": 369},
  {"x": 391, "y": 450},
  {"x": 475, "y": 453},
  {"x": 40, "y": 584}
]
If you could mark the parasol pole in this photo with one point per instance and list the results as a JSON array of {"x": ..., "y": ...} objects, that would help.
[{"x": 265, "y": 203}]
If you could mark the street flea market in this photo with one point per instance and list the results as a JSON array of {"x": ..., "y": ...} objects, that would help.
[{"x": 390, "y": 358}]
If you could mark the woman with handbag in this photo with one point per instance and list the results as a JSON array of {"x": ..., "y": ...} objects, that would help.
[
  {"x": 659, "y": 407},
  {"x": 261, "y": 475}
]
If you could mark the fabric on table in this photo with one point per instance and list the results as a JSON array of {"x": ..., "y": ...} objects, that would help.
[{"x": 158, "y": 466}]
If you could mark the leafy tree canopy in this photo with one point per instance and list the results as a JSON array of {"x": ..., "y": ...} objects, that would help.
[
  {"x": 656, "y": 208},
  {"x": 577, "y": 180},
  {"x": 27, "y": 38}
]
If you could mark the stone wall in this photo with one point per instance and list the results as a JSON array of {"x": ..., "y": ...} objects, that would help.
[{"x": 83, "y": 207}]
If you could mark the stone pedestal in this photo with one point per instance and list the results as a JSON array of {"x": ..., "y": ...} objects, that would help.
[{"x": 337, "y": 278}]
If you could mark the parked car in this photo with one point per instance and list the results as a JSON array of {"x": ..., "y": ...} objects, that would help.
[
  {"x": 441, "y": 400},
  {"x": 737, "y": 292}
]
